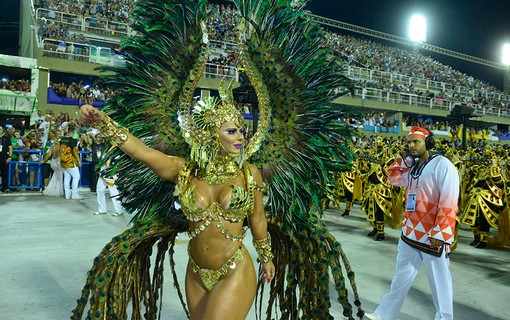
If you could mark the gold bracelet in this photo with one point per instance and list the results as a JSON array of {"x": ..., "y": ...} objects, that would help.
[
  {"x": 263, "y": 248},
  {"x": 111, "y": 130}
]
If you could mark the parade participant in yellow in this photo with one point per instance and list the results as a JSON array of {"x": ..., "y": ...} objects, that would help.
[
  {"x": 485, "y": 205},
  {"x": 381, "y": 200}
]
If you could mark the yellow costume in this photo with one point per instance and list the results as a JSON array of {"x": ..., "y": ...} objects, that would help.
[
  {"x": 485, "y": 205},
  {"x": 382, "y": 201}
]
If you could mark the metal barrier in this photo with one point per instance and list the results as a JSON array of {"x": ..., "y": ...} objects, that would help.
[
  {"x": 25, "y": 170},
  {"x": 361, "y": 73},
  {"x": 85, "y": 160}
]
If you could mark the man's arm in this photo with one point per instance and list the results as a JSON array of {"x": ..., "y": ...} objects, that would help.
[
  {"x": 9, "y": 155},
  {"x": 447, "y": 186}
]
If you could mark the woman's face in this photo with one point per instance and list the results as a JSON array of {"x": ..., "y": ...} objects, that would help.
[{"x": 231, "y": 138}]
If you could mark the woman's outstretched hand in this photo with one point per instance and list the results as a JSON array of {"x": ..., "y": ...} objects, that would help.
[
  {"x": 268, "y": 271},
  {"x": 88, "y": 114}
]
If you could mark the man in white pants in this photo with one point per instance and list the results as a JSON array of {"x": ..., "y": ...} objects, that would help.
[
  {"x": 70, "y": 162},
  {"x": 103, "y": 183},
  {"x": 432, "y": 191}
]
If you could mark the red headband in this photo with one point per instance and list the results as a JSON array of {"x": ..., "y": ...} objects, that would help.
[{"x": 419, "y": 132}]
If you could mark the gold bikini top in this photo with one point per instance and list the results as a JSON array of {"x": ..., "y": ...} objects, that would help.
[{"x": 241, "y": 204}]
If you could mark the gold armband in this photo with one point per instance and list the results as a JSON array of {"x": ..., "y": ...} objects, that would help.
[
  {"x": 263, "y": 247},
  {"x": 111, "y": 130}
]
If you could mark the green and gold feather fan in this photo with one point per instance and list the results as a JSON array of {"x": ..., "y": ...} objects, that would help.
[
  {"x": 300, "y": 140},
  {"x": 304, "y": 143},
  {"x": 158, "y": 77}
]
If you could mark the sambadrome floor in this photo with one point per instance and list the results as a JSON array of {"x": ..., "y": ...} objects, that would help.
[{"x": 48, "y": 244}]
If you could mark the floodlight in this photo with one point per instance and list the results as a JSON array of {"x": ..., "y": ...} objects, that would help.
[
  {"x": 506, "y": 54},
  {"x": 418, "y": 28}
]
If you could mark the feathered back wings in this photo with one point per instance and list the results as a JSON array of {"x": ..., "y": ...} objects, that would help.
[
  {"x": 302, "y": 137},
  {"x": 307, "y": 140},
  {"x": 307, "y": 137},
  {"x": 165, "y": 59}
]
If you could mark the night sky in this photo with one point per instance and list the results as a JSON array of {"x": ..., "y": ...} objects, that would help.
[{"x": 474, "y": 27}]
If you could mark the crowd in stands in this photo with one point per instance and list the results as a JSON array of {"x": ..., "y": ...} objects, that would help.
[
  {"x": 112, "y": 10},
  {"x": 395, "y": 60},
  {"x": 84, "y": 94},
  {"x": 61, "y": 43},
  {"x": 356, "y": 52},
  {"x": 222, "y": 23},
  {"x": 20, "y": 85}
]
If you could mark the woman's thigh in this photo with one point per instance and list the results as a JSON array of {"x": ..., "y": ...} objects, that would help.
[{"x": 230, "y": 299}]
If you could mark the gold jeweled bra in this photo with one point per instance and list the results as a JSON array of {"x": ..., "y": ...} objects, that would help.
[{"x": 241, "y": 205}]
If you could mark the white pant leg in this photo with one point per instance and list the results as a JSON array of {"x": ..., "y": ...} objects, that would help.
[
  {"x": 440, "y": 281},
  {"x": 75, "y": 173},
  {"x": 408, "y": 263},
  {"x": 101, "y": 200},
  {"x": 67, "y": 183},
  {"x": 114, "y": 192}
]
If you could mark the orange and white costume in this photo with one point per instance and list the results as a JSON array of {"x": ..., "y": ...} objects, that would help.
[
  {"x": 437, "y": 190},
  {"x": 434, "y": 189}
]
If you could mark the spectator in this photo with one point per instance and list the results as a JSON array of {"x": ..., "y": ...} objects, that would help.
[{"x": 70, "y": 162}]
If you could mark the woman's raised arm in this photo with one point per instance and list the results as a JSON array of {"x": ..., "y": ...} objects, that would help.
[{"x": 166, "y": 167}]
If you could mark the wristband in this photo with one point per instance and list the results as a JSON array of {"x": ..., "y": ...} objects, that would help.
[
  {"x": 111, "y": 130},
  {"x": 263, "y": 248}
]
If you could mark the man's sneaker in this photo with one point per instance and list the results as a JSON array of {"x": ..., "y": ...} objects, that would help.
[
  {"x": 98, "y": 213},
  {"x": 76, "y": 197},
  {"x": 116, "y": 214}
]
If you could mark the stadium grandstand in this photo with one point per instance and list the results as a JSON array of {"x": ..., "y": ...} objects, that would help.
[
  {"x": 67, "y": 40},
  {"x": 48, "y": 242}
]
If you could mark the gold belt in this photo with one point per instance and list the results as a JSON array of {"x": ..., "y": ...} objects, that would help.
[{"x": 211, "y": 277}]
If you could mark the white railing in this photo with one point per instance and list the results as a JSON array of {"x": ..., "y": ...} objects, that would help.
[
  {"x": 224, "y": 46},
  {"x": 219, "y": 71},
  {"x": 106, "y": 56},
  {"x": 84, "y": 24},
  {"x": 81, "y": 52},
  {"x": 105, "y": 27},
  {"x": 425, "y": 102},
  {"x": 17, "y": 101},
  {"x": 360, "y": 73}
]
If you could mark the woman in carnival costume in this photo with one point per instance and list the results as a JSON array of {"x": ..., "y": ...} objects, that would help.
[{"x": 198, "y": 156}]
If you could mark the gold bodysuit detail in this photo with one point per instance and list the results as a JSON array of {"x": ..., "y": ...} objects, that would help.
[
  {"x": 211, "y": 277},
  {"x": 241, "y": 206}
]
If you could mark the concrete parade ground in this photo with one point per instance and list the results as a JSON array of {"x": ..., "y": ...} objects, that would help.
[{"x": 47, "y": 244}]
